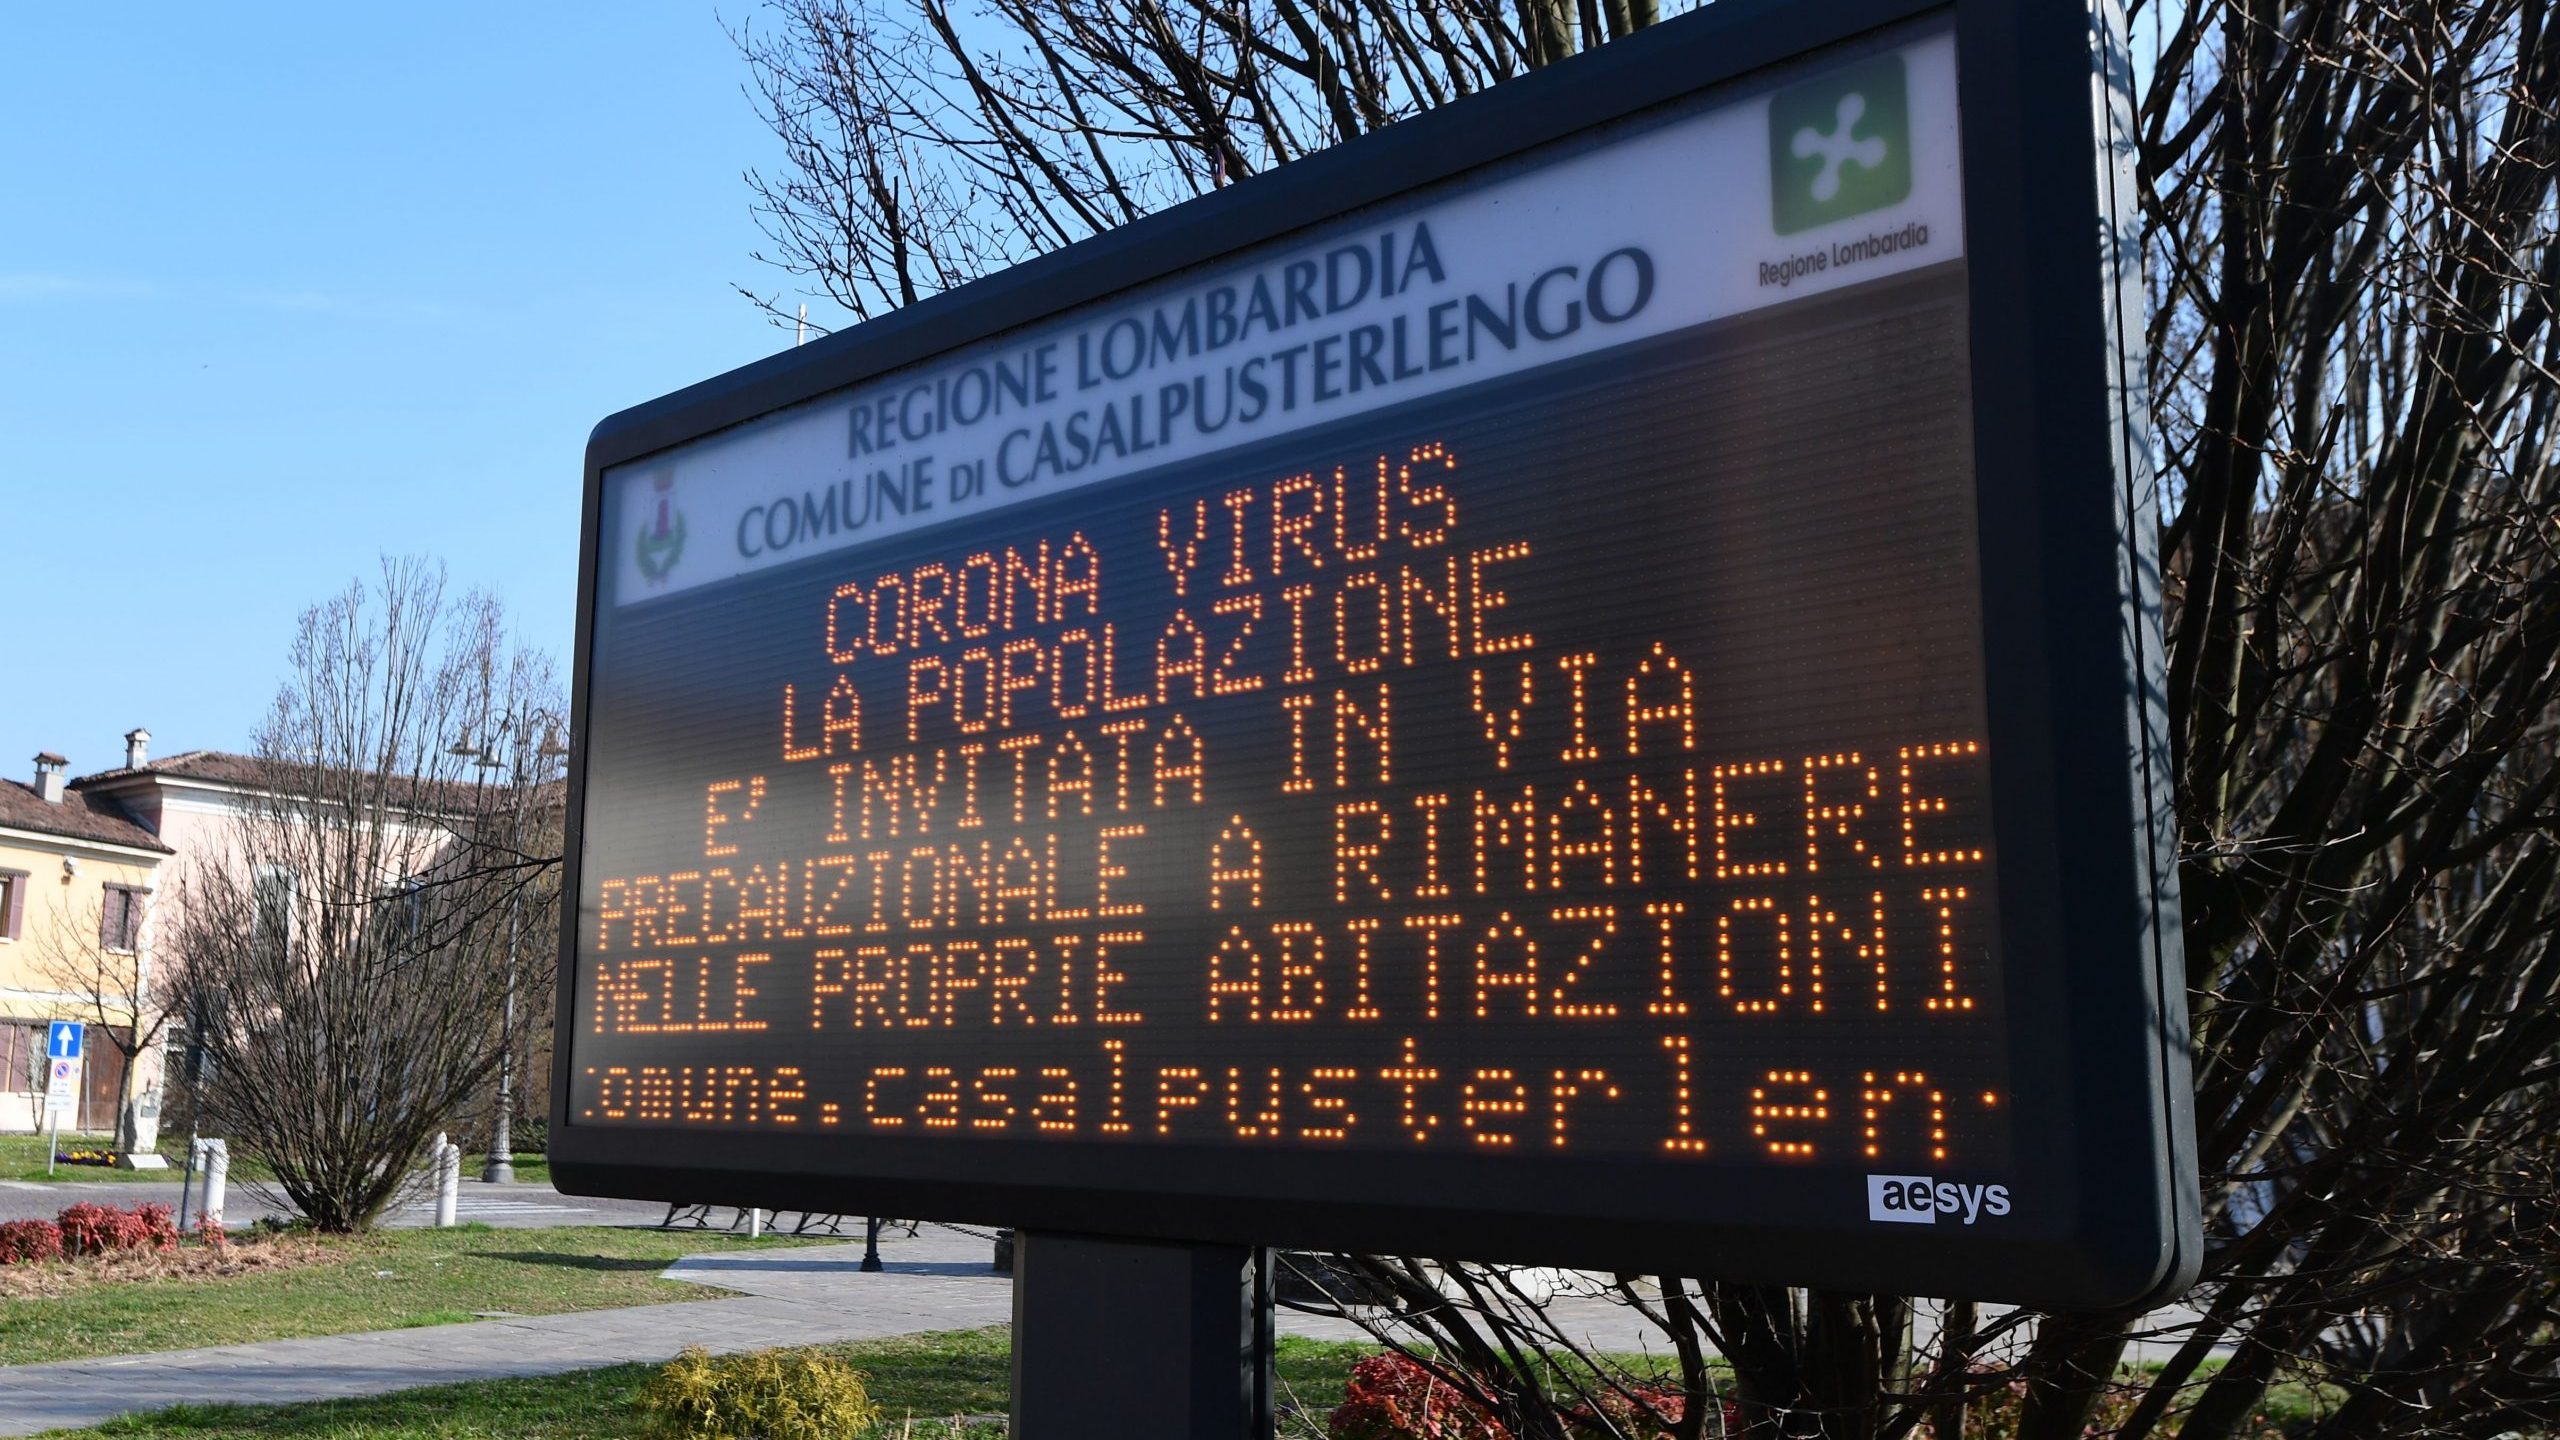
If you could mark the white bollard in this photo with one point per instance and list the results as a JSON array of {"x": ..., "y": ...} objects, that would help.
[
  {"x": 755, "y": 1224},
  {"x": 448, "y": 1163},
  {"x": 213, "y": 1157}
]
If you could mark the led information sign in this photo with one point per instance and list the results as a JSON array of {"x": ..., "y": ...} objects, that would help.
[{"x": 1468, "y": 727}]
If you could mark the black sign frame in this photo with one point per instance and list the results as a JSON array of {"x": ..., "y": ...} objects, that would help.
[{"x": 2072, "y": 663}]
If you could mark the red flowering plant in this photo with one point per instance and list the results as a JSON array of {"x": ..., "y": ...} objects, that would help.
[
  {"x": 23, "y": 1241},
  {"x": 151, "y": 1224},
  {"x": 91, "y": 1229},
  {"x": 1392, "y": 1397}
]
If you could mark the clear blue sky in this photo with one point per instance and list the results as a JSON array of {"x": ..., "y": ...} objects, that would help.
[{"x": 283, "y": 288}]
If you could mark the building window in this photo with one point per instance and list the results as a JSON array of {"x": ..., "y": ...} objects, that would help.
[
  {"x": 120, "y": 918},
  {"x": 272, "y": 900},
  {"x": 21, "y": 1054},
  {"x": 189, "y": 1060},
  {"x": 13, "y": 902},
  {"x": 400, "y": 917}
]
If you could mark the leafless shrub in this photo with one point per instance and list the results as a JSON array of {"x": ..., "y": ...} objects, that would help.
[{"x": 353, "y": 950}]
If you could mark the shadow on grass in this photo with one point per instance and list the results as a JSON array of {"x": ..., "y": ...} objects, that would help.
[
  {"x": 616, "y": 1264},
  {"x": 827, "y": 1265},
  {"x": 425, "y": 1318}
]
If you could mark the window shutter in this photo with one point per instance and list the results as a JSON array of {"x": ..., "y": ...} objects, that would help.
[{"x": 120, "y": 918}]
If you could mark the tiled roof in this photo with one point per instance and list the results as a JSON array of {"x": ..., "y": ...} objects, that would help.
[
  {"x": 77, "y": 817},
  {"x": 221, "y": 766},
  {"x": 249, "y": 772}
]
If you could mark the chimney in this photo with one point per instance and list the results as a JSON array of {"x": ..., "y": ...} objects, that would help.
[
  {"x": 137, "y": 747},
  {"x": 49, "y": 777}
]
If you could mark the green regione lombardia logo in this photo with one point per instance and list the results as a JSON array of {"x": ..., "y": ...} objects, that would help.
[
  {"x": 661, "y": 540},
  {"x": 1840, "y": 145}
]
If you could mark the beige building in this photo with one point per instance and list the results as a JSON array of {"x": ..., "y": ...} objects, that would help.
[
  {"x": 77, "y": 878},
  {"x": 93, "y": 871}
]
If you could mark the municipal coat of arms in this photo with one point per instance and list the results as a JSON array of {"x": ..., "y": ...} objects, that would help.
[{"x": 661, "y": 539}]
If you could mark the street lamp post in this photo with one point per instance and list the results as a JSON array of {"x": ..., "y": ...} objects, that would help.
[{"x": 500, "y": 1168}]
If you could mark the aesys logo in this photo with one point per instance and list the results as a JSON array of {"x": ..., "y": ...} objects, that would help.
[
  {"x": 1920, "y": 1200},
  {"x": 661, "y": 540},
  {"x": 1840, "y": 145}
]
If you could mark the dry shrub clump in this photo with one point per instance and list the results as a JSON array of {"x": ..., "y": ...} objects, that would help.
[
  {"x": 762, "y": 1395},
  {"x": 55, "y": 1278}
]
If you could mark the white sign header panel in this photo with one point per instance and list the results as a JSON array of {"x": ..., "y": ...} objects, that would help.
[{"x": 1744, "y": 206}]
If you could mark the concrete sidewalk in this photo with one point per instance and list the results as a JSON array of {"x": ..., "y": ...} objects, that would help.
[
  {"x": 508, "y": 1207},
  {"x": 830, "y": 1277}
]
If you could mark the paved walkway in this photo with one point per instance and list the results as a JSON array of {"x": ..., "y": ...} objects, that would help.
[
  {"x": 830, "y": 1277},
  {"x": 506, "y": 1206}
]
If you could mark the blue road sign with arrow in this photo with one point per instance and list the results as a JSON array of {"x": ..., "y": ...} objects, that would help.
[{"x": 62, "y": 1040}]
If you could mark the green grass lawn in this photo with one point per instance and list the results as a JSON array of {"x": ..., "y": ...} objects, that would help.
[
  {"x": 22, "y": 1158},
  {"x": 920, "y": 1382},
  {"x": 382, "y": 1281}
]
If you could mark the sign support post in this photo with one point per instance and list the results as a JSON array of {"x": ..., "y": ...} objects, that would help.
[
  {"x": 62, "y": 1092},
  {"x": 65, "y": 1046},
  {"x": 1120, "y": 1337}
]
